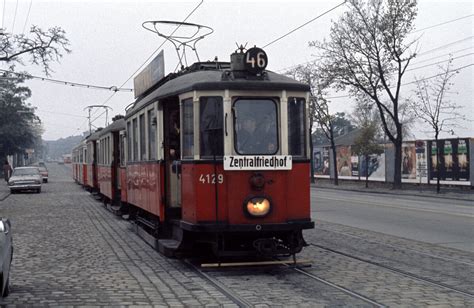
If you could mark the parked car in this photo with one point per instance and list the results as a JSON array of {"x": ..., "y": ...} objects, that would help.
[
  {"x": 25, "y": 178},
  {"x": 44, "y": 173},
  {"x": 6, "y": 256}
]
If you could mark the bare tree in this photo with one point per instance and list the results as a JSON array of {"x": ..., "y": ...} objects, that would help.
[
  {"x": 43, "y": 47},
  {"x": 368, "y": 53},
  {"x": 318, "y": 109},
  {"x": 434, "y": 108}
]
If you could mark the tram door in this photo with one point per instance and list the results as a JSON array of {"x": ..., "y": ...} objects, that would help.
[
  {"x": 172, "y": 146},
  {"x": 116, "y": 157}
]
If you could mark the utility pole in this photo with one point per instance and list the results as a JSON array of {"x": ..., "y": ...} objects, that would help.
[{"x": 89, "y": 109}]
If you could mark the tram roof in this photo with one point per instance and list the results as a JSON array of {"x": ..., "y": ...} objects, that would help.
[
  {"x": 116, "y": 126},
  {"x": 94, "y": 136},
  {"x": 207, "y": 79}
]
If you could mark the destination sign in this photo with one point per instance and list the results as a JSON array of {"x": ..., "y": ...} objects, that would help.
[
  {"x": 150, "y": 75},
  {"x": 257, "y": 162}
]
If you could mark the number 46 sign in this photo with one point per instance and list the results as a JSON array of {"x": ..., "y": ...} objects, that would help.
[{"x": 255, "y": 60}]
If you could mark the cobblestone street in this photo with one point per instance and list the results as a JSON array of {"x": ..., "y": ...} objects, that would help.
[{"x": 69, "y": 250}]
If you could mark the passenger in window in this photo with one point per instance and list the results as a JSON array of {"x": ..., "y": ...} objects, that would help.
[
  {"x": 174, "y": 136},
  {"x": 253, "y": 137},
  {"x": 269, "y": 135}
]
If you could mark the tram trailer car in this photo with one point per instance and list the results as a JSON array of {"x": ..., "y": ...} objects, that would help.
[
  {"x": 110, "y": 154},
  {"x": 79, "y": 168},
  {"x": 218, "y": 157},
  {"x": 91, "y": 157}
]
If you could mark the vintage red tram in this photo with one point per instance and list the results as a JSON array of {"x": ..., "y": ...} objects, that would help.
[{"x": 217, "y": 155}]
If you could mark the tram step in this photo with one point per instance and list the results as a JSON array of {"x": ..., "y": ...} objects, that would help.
[
  {"x": 168, "y": 247},
  {"x": 147, "y": 237}
]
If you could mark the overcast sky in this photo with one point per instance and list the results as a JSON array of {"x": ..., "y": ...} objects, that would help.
[{"x": 109, "y": 44}]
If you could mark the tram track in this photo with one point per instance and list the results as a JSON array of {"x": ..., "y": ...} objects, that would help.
[
  {"x": 335, "y": 286},
  {"x": 241, "y": 302},
  {"x": 397, "y": 271},
  {"x": 401, "y": 248},
  {"x": 233, "y": 296}
]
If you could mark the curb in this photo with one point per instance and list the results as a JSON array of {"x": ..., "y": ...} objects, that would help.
[
  {"x": 395, "y": 193},
  {"x": 4, "y": 196}
]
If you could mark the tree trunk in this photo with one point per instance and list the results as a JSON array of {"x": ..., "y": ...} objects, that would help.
[
  {"x": 397, "y": 179},
  {"x": 334, "y": 162},
  {"x": 311, "y": 156},
  {"x": 438, "y": 167},
  {"x": 366, "y": 171}
]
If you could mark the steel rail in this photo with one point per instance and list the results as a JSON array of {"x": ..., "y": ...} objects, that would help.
[
  {"x": 236, "y": 299},
  {"x": 400, "y": 247},
  {"x": 333, "y": 285},
  {"x": 398, "y": 271}
]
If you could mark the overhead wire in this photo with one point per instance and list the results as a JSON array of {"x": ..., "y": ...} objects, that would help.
[
  {"x": 443, "y": 23},
  {"x": 439, "y": 62},
  {"x": 418, "y": 55},
  {"x": 27, "y": 16},
  {"x": 60, "y": 113},
  {"x": 412, "y": 82},
  {"x": 446, "y": 45},
  {"x": 70, "y": 83},
  {"x": 154, "y": 52},
  {"x": 14, "y": 17},
  {"x": 4, "y": 9},
  {"x": 443, "y": 55},
  {"x": 306, "y": 23}
]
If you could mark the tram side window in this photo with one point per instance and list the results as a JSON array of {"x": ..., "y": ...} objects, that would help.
[
  {"x": 296, "y": 126},
  {"x": 129, "y": 141},
  {"x": 211, "y": 127},
  {"x": 142, "y": 138},
  {"x": 135, "y": 139},
  {"x": 152, "y": 124},
  {"x": 122, "y": 150},
  {"x": 107, "y": 160},
  {"x": 188, "y": 129},
  {"x": 101, "y": 151}
]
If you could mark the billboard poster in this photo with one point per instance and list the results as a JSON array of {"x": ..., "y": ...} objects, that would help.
[
  {"x": 448, "y": 160},
  {"x": 453, "y": 160},
  {"x": 344, "y": 161},
  {"x": 408, "y": 161},
  {"x": 355, "y": 165},
  {"x": 462, "y": 160},
  {"x": 318, "y": 160},
  {"x": 321, "y": 161},
  {"x": 433, "y": 161},
  {"x": 376, "y": 167},
  {"x": 421, "y": 161}
]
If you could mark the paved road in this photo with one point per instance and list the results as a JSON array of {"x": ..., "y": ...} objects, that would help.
[{"x": 445, "y": 222}]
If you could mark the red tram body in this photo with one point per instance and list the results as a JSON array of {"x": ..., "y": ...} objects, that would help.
[
  {"x": 79, "y": 168},
  {"x": 108, "y": 161},
  {"x": 215, "y": 156},
  {"x": 91, "y": 182}
]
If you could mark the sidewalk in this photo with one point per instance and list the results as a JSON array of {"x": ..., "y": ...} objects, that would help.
[
  {"x": 409, "y": 189},
  {"x": 4, "y": 191}
]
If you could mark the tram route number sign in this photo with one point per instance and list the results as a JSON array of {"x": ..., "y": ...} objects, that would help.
[
  {"x": 255, "y": 60},
  {"x": 257, "y": 162}
]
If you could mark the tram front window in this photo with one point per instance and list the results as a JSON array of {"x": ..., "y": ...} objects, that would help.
[{"x": 256, "y": 127}]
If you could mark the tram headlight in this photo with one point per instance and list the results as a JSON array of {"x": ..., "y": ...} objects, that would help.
[{"x": 257, "y": 206}]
